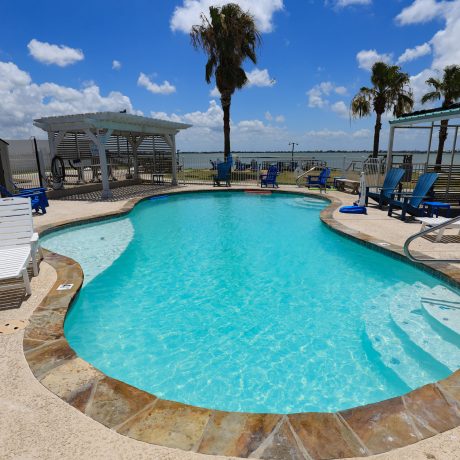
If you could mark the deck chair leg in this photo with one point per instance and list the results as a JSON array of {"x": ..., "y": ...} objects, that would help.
[{"x": 25, "y": 277}]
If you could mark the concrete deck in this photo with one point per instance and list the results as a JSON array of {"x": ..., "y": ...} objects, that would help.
[{"x": 34, "y": 423}]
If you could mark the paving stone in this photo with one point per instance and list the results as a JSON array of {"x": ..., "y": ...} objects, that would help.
[
  {"x": 168, "y": 424},
  {"x": 46, "y": 324},
  {"x": 430, "y": 410},
  {"x": 325, "y": 436},
  {"x": 281, "y": 446},
  {"x": 382, "y": 426},
  {"x": 42, "y": 360},
  {"x": 237, "y": 434},
  {"x": 113, "y": 402}
]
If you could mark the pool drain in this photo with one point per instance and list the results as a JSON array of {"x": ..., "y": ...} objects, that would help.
[{"x": 12, "y": 326}]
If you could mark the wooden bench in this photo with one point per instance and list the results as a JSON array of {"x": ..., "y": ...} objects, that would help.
[{"x": 352, "y": 185}]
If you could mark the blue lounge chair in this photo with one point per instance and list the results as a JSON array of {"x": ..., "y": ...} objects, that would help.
[
  {"x": 224, "y": 171},
  {"x": 410, "y": 203},
  {"x": 383, "y": 195},
  {"x": 270, "y": 177},
  {"x": 320, "y": 180},
  {"x": 37, "y": 197}
]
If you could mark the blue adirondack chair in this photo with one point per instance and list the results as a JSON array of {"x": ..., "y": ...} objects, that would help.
[
  {"x": 37, "y": 197},
  {"x": 410, "y": 203},
  {"x": 224, "y": 171},
  {"x": 383, "y": 195},
  {"x": 320, "y": 180},
  {"x": 270, "y": 177}
]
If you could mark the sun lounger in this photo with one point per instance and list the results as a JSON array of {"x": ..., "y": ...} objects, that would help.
[
  {"x": 13, "y": 265},
  {"x": 16, "y": 227},
  {"x": 433, "y": 221}
]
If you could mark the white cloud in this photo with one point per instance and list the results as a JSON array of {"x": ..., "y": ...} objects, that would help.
[
  {"x": 277, "y": 118},
  {"x": 116, "y": 65},
  {"x": 367, "y": 58},
  {"x": 362, "y": 134},
  {"x": 60, "y": 55},
  {"x": 188, "y": 14},
  {"x": 280, "y": 119},
  {"x": 345, "y": 3},
  {"x": 214, "y": 92},
  {"x": 326, "y": 133},
  {"x": 340, "y": 109},
  {"x": 420, "y": 11},
  {"x": 155, "y": 88},
  {"x": 316, "y": 95},
  {"x": 23, "y": 101},
  {"x": 260, "y": 78},
  {"x": 414, "y": 53},
  {"x": 268, "y": 116}
]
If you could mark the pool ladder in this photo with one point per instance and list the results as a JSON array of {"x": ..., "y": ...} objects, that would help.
[{"x": 409, "y": 240}]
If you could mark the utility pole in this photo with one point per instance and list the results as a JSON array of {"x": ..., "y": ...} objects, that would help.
[{"x": 292, "y": 154}]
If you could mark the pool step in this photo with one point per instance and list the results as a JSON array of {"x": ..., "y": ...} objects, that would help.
[
  {"x": 442, "y": 307},
  {"x": 308, "y": 203},
  {"x": 414, "y": 325},
  {"x": 392, "y": 352}
]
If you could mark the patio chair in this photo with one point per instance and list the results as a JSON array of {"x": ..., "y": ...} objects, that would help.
[
  {"x": 270, "y": 177},
  {"x": 410, "y": 203},
  {"x": 38, "y": 198},
  {"x": 17, "y": 227},
  {"x": 223, "y": 174},
  {"x": 320, "y": 180},
  {"x": 383, "y": 195}
]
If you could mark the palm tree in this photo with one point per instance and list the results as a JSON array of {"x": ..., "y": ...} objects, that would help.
[
  {"x": 228, "y": 38},
  {"x": 448, "y": 89},
  {"x": 390, "y": 91}
]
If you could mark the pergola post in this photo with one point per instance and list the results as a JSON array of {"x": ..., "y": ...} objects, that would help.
[
  {"x": 101, "y": 140},
  {"x": 135, "y": 142},
  {"x": 390, "y": 148},
  {"x": 171, "y": 141}
]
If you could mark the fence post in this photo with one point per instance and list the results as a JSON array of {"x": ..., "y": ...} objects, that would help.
[{"x": 39, "y": 163}]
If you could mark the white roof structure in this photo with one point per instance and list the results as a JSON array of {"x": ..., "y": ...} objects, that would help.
[
  {"x": 120, "y": 123},
  {"x": 98, "y": 127}
]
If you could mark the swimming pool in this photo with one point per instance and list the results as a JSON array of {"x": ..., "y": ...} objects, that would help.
[{"x": 249, "y": 303}]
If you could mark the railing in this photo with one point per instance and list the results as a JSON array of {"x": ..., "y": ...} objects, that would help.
[{"x": 409, "y": 240}]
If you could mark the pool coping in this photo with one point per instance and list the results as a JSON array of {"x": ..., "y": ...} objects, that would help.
[{"x": 360, "y": 431}]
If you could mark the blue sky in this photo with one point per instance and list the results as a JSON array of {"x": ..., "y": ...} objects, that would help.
[{"x": 58, "y": 57}]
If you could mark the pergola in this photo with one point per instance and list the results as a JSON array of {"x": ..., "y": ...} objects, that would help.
[
  {"x": 101, "y": 128},
  {"x": 413, "y": 121}
]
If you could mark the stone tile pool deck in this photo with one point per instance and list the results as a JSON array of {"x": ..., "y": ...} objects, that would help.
[{"x": 40, "y": 425}]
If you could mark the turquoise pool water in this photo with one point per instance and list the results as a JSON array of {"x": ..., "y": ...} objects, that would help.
[{"x": 247, "y": 303}]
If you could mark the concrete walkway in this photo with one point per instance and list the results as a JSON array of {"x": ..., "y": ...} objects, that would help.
[{"x": 35, "y": 424}]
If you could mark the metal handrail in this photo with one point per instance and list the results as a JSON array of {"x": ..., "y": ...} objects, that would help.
[
  {"x": 304, "y": 174},
  {"x": 423, "y": 233}
]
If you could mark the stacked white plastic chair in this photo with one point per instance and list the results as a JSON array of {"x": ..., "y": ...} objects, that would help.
[{"x": 18, "y": 242}]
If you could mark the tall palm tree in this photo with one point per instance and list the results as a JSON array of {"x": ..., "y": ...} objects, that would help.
[
  {"x": 447, "y": 89},
  {"x": 390, "y": 91},
  {"x": 228, "y": 38}
]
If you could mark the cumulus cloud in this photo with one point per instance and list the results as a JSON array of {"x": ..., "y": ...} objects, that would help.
[
  {"x": 214, "y": 92},
  {"x": 23, "y": 101},
  {"x": 317, "y": 96},
  {"x": 207, "y": 130},
  {"x": 414, "y": 53},
  {"x": 420, "y": 11},
  {"x": 277, "y": 118},
  {"x": 258, "y": 77},
  {"x": 188, "y": 14},
  {"x": 340, "y": 109},
  {"x": 60, "y": 55},
  {"x": 155, "y": 88},
  {"x": 116, "y": 65},
  {"x": 327, "y": 133},
  {"x": 367, "y": 58}
]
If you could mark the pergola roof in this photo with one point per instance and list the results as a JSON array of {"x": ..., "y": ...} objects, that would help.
[
  {"x": 120, "y": 123},
  {"x": 428, "y": 116}
]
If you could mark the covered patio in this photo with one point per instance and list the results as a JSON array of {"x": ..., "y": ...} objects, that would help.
[{"x": 103, "y": 141}]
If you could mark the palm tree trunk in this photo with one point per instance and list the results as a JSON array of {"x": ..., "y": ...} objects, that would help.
[
  {"x": 442, "y": 141},
  {"x": 378, "y": 127},
  {"x": 226, "y": 100}
]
